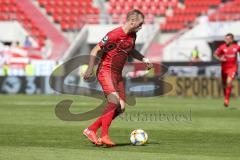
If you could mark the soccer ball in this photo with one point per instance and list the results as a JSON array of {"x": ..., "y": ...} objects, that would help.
[{"x": 138, "y": 137}]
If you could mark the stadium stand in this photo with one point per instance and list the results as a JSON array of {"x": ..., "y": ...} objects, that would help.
[
  {"x": 10, "y": 10},
  {"x": 35, "y": 23},
  {"x": 118, "y": 9},
  {"x": 177, "y": 19},
  {"x": 71, "y": 14},
  {"x": 183, "y": 17},
  {"x": 228, "y": 11}
]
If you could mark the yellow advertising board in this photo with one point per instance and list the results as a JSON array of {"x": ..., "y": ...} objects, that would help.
[{"x": 199, "y": 86}]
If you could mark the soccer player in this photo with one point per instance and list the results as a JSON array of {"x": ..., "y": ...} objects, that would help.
[
  {"x": 115, "y": 47},
  {"x": 227, "y": 55}
]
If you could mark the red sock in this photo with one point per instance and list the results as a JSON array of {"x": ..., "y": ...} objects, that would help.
[
  {"x": 96, "y": 125},
  {"x": 107, "y": 117},
  {"x": 228, "y": 92}
]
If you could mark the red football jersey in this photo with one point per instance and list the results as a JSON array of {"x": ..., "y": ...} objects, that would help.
[
  {"x": 116, "y": 46},
  {"x": 230, "y": 53}
]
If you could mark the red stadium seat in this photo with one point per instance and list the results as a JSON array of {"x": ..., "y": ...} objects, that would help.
[
  {"x": 43, "y": 3},
  {"x": 65, "y": 26},
  {"x": 229, "y": 11},
  {"x": 184, "y": 16},
  {"x": 64, "y": 11}
]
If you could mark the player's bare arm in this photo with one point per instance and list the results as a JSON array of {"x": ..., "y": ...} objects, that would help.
[
  {"x": 137, "y": 55},
  {"x": 93, "y": 55}
]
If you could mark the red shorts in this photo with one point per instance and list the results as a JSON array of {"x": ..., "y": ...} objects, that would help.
[
  {"x": 111, "y": 82},
  {"x": 229, "y": 72}
]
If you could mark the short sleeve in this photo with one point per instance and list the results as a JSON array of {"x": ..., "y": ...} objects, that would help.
[
  {"x": 109, "y": 37},
  {"x": 219, "y": 51}
]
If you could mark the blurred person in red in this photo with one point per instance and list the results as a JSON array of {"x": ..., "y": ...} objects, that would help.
[
  {"x": 227, "y": 54},
  {"x": 115, "y": 47}
]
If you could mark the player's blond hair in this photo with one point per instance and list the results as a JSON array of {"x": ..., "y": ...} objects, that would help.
[{"x": 134, "y": 12}]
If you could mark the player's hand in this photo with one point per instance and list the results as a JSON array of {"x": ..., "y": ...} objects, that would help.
[
  {"x": 88, "y": 74},
  {"x": 222, "y": 59},
  {"x": 148, "y": 63}
]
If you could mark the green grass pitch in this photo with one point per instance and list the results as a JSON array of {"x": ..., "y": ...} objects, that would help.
[{"x": 178, "y": 128}]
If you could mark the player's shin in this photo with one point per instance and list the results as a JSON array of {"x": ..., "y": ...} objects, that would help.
[
  {"x": 228, "y": 92},
  {"x": 107, "y": 117},
  {"x": 96, "y": 125}
]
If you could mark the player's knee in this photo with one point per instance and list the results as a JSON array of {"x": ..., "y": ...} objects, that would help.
[{"x": 229, "y": 82}]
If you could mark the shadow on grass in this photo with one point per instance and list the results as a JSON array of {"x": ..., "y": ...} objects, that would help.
[
  {"x": 123, "y": 144},
  {"x": 130, "y": 144},
  {"x": 127, "y": 144},
  {"x": 234, "y": 108}
]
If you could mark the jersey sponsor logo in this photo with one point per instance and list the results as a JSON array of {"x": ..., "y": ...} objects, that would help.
[
  {"x": 230, "y": 55},
  {"x": 110, "y": 46},
  {"x": 122, "y": 46},
  {"x": 225, "y": 50}
]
